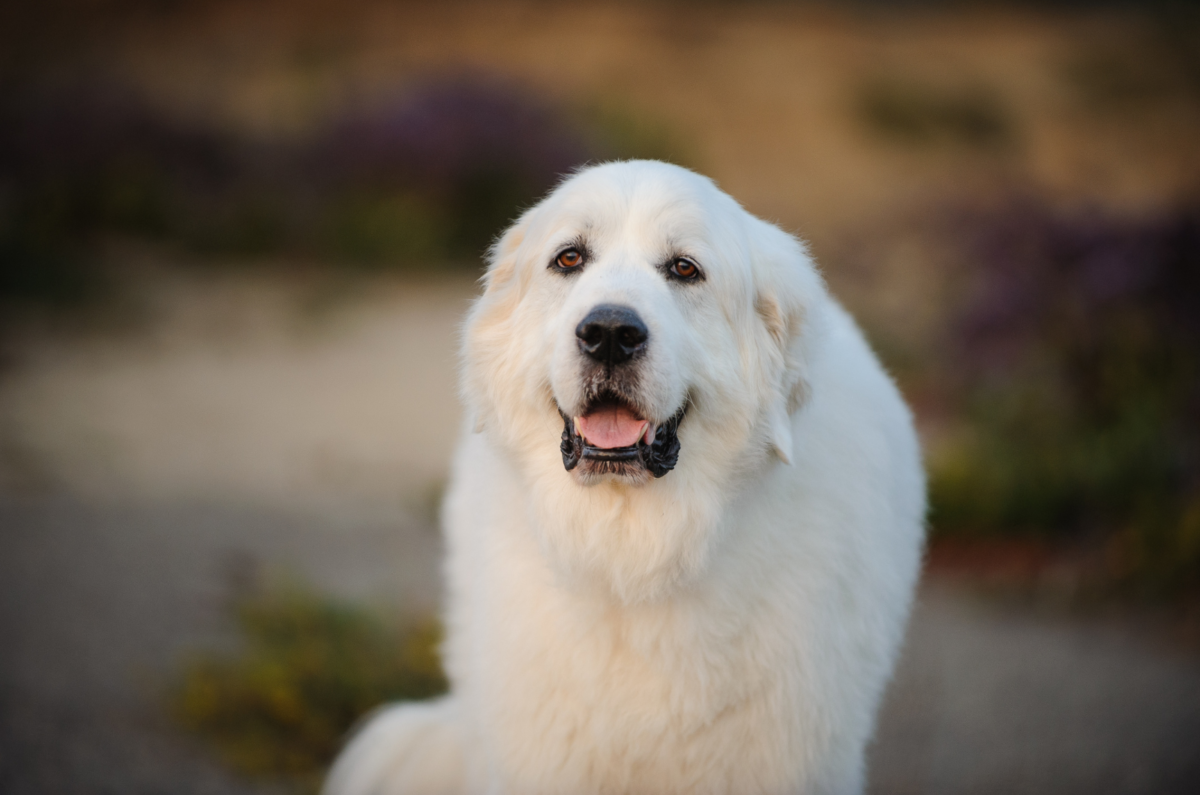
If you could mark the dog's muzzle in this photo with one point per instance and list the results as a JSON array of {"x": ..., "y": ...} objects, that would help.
[
  {"x": 659, "y": 457},
  {"x": 611, "y": 434}
]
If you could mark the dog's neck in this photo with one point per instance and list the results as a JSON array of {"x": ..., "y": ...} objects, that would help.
[{"x": 637, "y": 544}]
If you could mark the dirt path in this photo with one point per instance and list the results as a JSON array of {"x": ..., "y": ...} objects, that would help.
[{"x": 248, "y": 421}]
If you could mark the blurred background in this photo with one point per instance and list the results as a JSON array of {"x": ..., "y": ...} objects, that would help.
[{"x": 237, "y": 239}]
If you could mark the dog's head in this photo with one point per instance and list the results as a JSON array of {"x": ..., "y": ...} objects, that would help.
[{"x": 638, "y": 350}]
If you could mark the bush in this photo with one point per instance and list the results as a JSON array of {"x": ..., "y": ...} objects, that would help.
[
  {"x": 474, "y": 146},
  {"x": 914, "y": 113},
  {"x": 1077, "y": 371},
  {"x": 310, "y": 668},
  {"x": 425, "y": 176},
  {"x": 80, "y": 163}
]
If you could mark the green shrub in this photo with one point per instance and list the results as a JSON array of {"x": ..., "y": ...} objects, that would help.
[
  {"x": 919, "y": 114},
  {"x": 1078, "y": 387},
  {"x": 309, "y": 669}
]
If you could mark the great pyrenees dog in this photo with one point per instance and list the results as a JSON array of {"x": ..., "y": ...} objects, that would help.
[{"x": 684, "y": 523}]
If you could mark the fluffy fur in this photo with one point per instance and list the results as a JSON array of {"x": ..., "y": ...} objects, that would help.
[{"x": 727, "y": 628}]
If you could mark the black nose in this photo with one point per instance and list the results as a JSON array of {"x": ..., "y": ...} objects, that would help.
[{"x": 612, "y": 334}]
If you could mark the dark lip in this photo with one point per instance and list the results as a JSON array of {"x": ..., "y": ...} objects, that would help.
[{"x": 658, "y": 458}]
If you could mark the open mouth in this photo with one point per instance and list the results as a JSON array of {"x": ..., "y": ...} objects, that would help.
[{"x": 613, "y": 436}]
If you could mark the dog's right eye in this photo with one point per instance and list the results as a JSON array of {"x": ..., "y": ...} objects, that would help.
[{"x": 569, "y": 259}]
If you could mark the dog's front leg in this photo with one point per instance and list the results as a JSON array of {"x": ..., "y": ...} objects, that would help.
[{"x": 404, "y": 749}]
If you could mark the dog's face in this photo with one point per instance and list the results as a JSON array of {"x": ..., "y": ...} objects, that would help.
[{"x": 637, "y": 351}]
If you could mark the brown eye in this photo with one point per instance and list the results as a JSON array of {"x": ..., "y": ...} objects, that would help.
[
  {"x": 571, "y": 258},
  {"x": 684, "y": 268}
]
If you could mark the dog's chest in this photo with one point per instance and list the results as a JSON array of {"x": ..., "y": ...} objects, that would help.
[{"x": 654, "y": 702}]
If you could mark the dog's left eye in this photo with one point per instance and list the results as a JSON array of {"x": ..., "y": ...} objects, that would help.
[
  {"x": 569, "y": 259},
  {"x": 684, "y": 268}
]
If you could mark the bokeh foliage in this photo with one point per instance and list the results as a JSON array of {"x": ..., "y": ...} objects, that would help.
[
  {"x": 308, "y": 669},
  {"x": 919, "y": 114},
  {"x": 1076, "y": 375},
  {"x": 423, "y": 177}
]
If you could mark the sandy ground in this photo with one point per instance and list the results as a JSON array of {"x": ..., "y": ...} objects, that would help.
[{"x": 306, "y": 429}]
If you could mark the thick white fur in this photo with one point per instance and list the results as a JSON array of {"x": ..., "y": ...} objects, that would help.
[{"x": 728, "y": 628}]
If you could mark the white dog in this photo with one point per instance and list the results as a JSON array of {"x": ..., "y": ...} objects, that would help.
[{"x": 684, "y": 525}]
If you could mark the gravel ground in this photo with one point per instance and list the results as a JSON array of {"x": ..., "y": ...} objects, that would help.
[{"x": 141, "y": 471}]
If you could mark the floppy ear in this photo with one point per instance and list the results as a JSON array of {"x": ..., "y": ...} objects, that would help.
[
  {"x": 485, "y": 329},
  {"x": 789, "y": 300},
  {"x": 502, "y": 255}
]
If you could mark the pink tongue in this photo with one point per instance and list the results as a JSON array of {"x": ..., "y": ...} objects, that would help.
[{"x": 611, "y": 427}]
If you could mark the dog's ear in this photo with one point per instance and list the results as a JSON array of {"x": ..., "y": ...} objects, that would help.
[
  {"x": 502, "y": 256},
  {"x": 790, "y": 297},
  {"x": 485, "y": 330}
]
